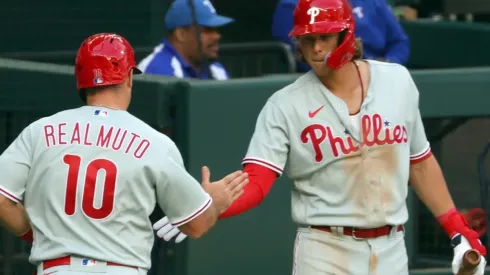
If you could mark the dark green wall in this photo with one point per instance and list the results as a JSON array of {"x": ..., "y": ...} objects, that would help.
[
  {"x": 62, "y": 25},
  {"x": 221, "y": 120},
  {"x": 447, "y": 44}
]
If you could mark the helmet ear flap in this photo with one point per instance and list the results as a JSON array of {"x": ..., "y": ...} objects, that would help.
[{"x": 344, "y": 52}]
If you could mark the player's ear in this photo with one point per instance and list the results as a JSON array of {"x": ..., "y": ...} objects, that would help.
[
  {"x": 298, "y": 53},
  {"x": 179, "y": 34},
  {"x": 130, "y": 79}
]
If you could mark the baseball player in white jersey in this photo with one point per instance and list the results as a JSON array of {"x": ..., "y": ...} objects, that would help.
[
  {"x": 350, "y": 136},
  {"x": 90, "y": 177}
]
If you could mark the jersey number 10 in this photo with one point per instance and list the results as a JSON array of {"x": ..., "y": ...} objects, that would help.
[{"x": 88, "y": 194}]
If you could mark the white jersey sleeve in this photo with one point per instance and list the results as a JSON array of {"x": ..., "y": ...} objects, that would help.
[
  {"x": 15, "y": 164},
  {"x": 269, "y": 145},
  {"x": 179, "y": 195},
  {"x": 419, "y": 145}
]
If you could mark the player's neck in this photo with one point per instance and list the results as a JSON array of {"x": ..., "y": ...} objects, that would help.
[
  {"x": 339, "y": 81},
  {"x": 108, "y": 102}
]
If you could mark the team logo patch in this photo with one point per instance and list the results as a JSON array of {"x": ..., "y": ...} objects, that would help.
[
  {"x": 101, "y": 113},
  {"x": 98, "y": 76},
  {"x": 89, "y": 262}
]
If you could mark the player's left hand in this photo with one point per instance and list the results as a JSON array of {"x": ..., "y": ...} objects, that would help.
[
  {"x": 165, "y": 230},
  {"x": 461, "y": 245},
  {"x": 455, "y": 224}
]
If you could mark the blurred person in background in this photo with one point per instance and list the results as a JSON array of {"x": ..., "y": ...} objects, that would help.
[
  {"x": 382, "y": 36},
  {"x": 181, "y": 54},
  {"x": 415, "y": 9}
]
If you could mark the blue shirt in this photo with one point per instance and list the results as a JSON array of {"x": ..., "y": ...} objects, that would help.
[
  {"x": 165, "y": 60},
  {"x": 381, "y": 34}
]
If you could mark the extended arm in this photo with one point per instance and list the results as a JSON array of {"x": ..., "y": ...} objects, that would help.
[
  {"x": 264, "y": 162},
  {"x": 260, "y": 183},
  {"x": 190, "y": 206},
  {"x": 261, "y": 180},
  {"x": 428, "y": 183},
  {"x": 13, "y": 216},
  {"x": 15, "y": 165}
]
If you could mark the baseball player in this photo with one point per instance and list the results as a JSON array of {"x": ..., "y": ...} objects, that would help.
[
  {"x": 90, "y": 177},
  {"x": 350, "y": 136}
]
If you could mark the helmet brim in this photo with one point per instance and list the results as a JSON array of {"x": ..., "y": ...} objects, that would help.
[
  {"x": 216, "y": 21},
  {"x": 136, "y": 70},
  {"x": 318, "y": 28}
]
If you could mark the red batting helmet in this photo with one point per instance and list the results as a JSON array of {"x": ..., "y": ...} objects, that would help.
[
  {"x": 327, "y": 16},
  {"x": 104, "y": 59}
]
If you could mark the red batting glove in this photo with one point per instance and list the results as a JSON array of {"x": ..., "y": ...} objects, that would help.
[{"x": 454, "y": 223}]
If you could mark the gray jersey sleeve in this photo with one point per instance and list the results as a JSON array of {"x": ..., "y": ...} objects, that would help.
[
  {"x": 15, "y": 164},
  {"x": 179, "y": 195},
  {"x": 269, "y": 145},
  {"x": 419, "y": 145}
]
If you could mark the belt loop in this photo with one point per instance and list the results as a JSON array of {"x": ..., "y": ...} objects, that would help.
[
  {"x": 341, "y": 230},
  {"x": 394, "y": 230},
  {"x": 337, "y": 230}
]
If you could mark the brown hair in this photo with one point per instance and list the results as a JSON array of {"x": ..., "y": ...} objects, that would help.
[{"x": 358, "y": 52}]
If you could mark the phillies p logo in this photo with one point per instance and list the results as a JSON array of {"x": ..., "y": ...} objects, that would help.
[{"x": 313, "y": 12}]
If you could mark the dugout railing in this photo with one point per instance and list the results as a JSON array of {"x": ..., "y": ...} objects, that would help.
[{"x": 240, "y": 59}]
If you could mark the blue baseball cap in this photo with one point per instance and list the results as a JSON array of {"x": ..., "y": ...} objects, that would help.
[{"x": 180, "y": 14}]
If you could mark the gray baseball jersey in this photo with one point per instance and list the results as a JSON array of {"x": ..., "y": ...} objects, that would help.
[
  {"x": 347, "y": 170},
  {"x": 90, "y": 177}
]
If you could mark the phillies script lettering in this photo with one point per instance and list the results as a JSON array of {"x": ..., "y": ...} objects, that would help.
[{"x": 372, "y": 133}]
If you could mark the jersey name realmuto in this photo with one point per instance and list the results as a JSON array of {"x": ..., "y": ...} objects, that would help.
[
  {"x": 344, "y": 174},
  {"x": 89, "y": 179}
]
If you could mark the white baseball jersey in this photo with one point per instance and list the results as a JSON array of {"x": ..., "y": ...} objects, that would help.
[
  {"x": 90, "y": 177},
  {"x": 347, "y": 170}
]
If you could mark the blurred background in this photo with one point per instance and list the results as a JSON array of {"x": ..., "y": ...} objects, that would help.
[{"x": 206, "y": 94}]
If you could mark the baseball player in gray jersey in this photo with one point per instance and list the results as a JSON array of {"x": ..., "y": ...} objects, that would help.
[
  {"x": 90, "y": 177},
  {"x": 350, "y": 136}
]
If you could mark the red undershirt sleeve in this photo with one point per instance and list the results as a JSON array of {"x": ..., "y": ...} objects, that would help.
[{"x": 260, "y": 183}]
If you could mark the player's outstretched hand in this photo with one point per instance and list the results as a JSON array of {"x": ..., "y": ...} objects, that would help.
[{"x": 225, "y": 191}]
